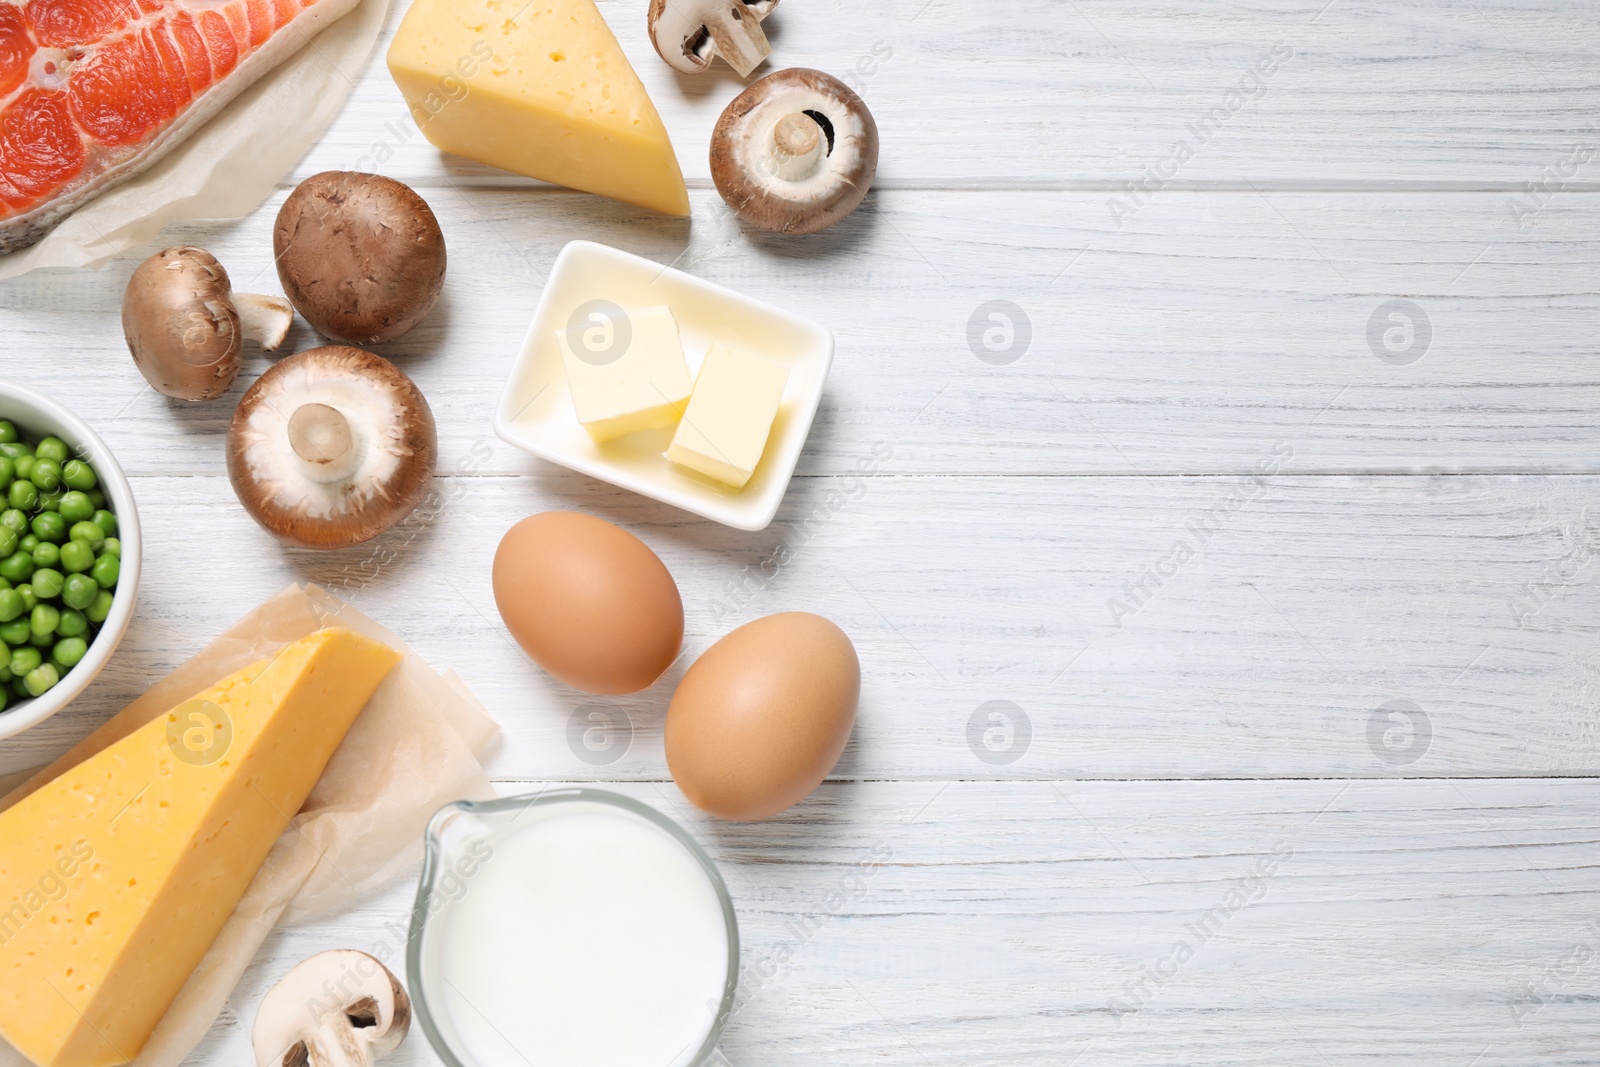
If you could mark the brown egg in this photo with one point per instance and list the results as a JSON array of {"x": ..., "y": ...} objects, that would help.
[
  {"x": 763, "y": 716},
  {"x": 588, "y": 601}
]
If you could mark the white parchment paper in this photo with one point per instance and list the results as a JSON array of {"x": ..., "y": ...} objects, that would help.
[
  {"x": 231, "y": 164},
  {"x": 413, "y": 749}
]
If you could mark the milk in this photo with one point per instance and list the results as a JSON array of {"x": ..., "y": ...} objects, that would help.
[{"x": 588, "y": 937}]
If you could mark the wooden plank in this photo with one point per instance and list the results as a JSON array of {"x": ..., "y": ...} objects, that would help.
[
  {"x": 1324, "y": 922},
  {"x": 1013, "y": 93},
  {"x": 1145, "y": 628},
  {"x": 1211, "y": 328}
]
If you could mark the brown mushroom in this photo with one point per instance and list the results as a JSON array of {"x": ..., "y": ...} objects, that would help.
[
  {"x": 689, "y": 34},
  {"x": 336, "y": 1009},
  {"x": 795, "y": 152},
  {"x": 360, "y": 256},
  {"x": 185, "y": 325},
  {"x": 331, "y": 447}
]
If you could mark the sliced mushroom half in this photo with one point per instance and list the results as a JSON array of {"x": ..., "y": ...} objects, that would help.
[
  {"x": 185, "y": 325},
  {"x": 689, "y": 34},
  {"x": 336, "y": 1009},
  {"x": 795, "y": 152},
  {"x": 331, "y": 447}
]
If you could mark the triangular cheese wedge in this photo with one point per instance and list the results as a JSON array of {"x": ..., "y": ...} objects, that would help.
[
  {"x": 116, "y": 877},
  {"x": 541, "y": 89}
]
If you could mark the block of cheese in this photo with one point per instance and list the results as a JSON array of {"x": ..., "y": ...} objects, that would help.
[
  {"x": 116, "y": 876},
  {"x": 626, "y": 370},
  {"x": 725, "y": 428},
  {"x": 541, "y": 89}
]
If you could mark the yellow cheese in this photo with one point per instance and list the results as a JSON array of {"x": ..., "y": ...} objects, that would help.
[
  {"x": 540, "y": 88},
  {"x": 116, "y": 877},
  {"x": 625, "y": 369},
  {"x": 725, "y": 429}
]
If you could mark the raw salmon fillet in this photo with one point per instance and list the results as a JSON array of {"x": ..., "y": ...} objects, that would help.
[{"x": 94, "y": 91}]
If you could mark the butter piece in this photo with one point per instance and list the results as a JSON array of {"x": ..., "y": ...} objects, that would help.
[
  {"x": 116, "y": 877},
  {"x": 541, "y": 89},
  {"x": 628, "y": 375},
  {"x": 725, "y": 429}
]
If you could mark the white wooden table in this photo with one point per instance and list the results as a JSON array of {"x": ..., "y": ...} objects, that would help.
[{"x": 1322, "y": 790}]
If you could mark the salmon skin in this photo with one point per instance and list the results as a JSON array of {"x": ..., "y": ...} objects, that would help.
[{"x": 94, "y": 91}]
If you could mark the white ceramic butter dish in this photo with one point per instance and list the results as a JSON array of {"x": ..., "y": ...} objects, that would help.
[{"x": 591, "y": 282}]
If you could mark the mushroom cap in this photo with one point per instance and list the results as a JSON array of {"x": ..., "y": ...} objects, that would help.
[
  {"x": 341, "y": 1008},
  {"x": 315, "y": 485},
  {"x": 756, "y": 183},
  {"x": 182, "y": 327},
  {"x": 360, "y": 256},
  {"x": 689, "y": 34}
]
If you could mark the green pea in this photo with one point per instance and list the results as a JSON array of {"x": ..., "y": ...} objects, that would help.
[
  {"x": 106, "y": 570},
  {"x": 8, "y": 431},
  {"x": 83, "y": 593},
  {"x": 79, "y": 475},
  {"x": 47, "y": 584},
  {"x": 69, "y": 651},
  {"x": 106, "y": 521},
  {"x": 47, "y": 555},
  {"x": 4, "y": 584},
  {"x": 50, "y": 526},
  {"x": 23, "y": 495},
  {"x": 75, "y": 506},
  {"x": 14, "y": 449},
  {"x": 17, "y": 567},
  {"x": 19, "y": 690},
  {"x": 22, "y": 466},
  {"x": 112, "y": 547},
  {"x": 46, "y": 474},
  {"x": 12, "y": 605},
  {"x": 96, "y": 612},
  {"x": 92, "y": 532},
  {"x": 5, "y": 678},
  {"x": 73, "y": 624},
  {"x": 24, "y": 660},
  {"x": 30, "y": 599},
  {"x": 52, "y": 448},
  {"x": 42, "y": 679},
  {"x": 8, "y": 471},
  {"x": 28, "y": 543},
  {"x": 50, "y": 501},
  {"x": 77, "y": 557},
  {"x": 8, "y": 540},
  {"x": 43, "y": 641},
  {"x": 45, "y": 619},
  {"x": 97, "y": 498},
  {"x": 14, "y": 520},
  {"x": 17, "y": 631}
]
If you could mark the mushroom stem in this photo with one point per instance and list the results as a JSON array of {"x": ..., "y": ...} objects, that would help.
[
  {"x": 796, "y": 147},
  {"x": 740, "y": 40},
  {"x": 263, "y": 319},
  {"x": 321, "y": 436}
]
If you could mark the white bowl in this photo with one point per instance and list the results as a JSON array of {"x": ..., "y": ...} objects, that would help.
[
  {"x": 36, "y": 416},
  {"x": 536, "y": 412}
]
